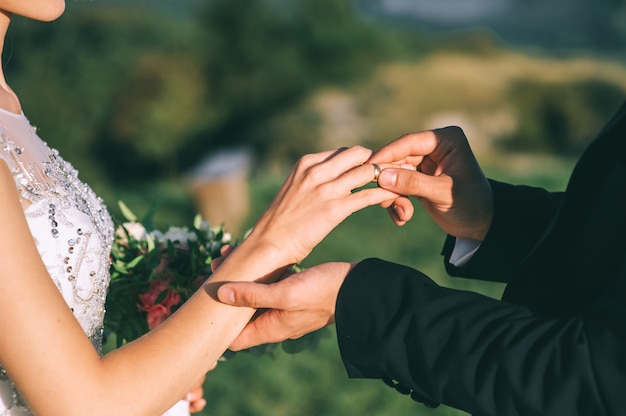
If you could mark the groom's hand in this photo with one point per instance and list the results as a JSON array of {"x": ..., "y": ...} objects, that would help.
[
  {"x": 446, "y": 178},
  {"x": 297, "y": 305}
]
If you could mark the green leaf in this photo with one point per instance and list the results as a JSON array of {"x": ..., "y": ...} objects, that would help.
[
  {"x": 134, "y": 262},
  {"x": 119, "y": 266},
  {"x": 197, "y": 221},
  {"x": 151, "y": 242},
  {"x": 147, "y": 219},
  {"x": 126, "y": 212}
]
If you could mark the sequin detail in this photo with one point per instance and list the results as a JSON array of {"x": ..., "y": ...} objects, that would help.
[{"x": 71, "y": 227}]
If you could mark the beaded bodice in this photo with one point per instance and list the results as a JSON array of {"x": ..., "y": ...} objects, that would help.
[{"x": 71, "y": 226}]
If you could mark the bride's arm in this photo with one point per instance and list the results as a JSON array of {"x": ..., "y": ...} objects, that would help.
[{"x": 56, "y": 368}]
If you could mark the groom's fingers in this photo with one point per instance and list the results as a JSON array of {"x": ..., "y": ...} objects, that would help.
[
  {"x": 274, "y": 325},
  {"x": 436, "y": 189},
  {"x": 252, "y": 295},
  {"x": 410, "y": 148},
  {"x": 268, "y": 328}
]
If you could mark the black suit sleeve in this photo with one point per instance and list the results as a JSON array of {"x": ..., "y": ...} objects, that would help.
[
  {"x": 474, "y": 353},
  {"x": 522, "y": 214}
]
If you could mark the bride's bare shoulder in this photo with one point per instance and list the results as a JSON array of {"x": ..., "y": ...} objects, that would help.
[{"x": 8, "y": 189}]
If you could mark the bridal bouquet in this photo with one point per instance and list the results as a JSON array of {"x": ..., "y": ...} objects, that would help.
[{"x": 153, "y": 272}]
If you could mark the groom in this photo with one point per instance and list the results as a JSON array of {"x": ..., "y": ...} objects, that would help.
[{"x": 556, "y": 342}]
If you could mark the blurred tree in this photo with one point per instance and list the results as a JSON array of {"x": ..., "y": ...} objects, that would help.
[
  {"x": 89, "y": 82},
  {"x": 560, "y": 118},
  {"x": 127, "y": 95},
  {"x": 263, "y": 57},
  {"x": 158, "y": 105}
]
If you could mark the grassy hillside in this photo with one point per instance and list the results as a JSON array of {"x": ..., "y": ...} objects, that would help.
[{"x": 473, "y": 91}]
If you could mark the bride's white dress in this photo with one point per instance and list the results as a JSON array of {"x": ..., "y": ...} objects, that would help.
[
  {"x": 73, "y": 232},
  {"x": 71, "y": 227}
]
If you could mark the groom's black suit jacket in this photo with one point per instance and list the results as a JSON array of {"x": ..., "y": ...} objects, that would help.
[{"x": 554, "y": 345}]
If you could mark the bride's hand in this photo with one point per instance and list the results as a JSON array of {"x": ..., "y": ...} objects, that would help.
[
  {"x": 195, "y": 397},
  {"x": 225, "y": 250},
  {"x": 317, "y": 196}
]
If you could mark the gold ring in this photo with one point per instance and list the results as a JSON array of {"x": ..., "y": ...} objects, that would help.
[{"x": 376, "y": 172}]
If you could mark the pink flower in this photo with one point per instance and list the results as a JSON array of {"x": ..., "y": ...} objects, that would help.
[{"x": 157, "y": 313}]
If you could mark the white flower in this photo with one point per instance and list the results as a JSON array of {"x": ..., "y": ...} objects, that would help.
[
  {"x": 191, "y": 236},
  {"x": 180, "y": 234},
  {"x": 134, "y": 229},
  {"x": 157, "y": 235},
  {"x": 202, "y": 225}
]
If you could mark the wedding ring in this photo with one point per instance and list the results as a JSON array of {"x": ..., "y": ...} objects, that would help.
[{"x": 376, "y": 172}]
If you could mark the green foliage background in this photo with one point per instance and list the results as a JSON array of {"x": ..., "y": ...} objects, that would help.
[{"x": 134, "y": 98}]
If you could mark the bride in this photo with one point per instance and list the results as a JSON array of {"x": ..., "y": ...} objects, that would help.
[{"x": 54, "y": 273}]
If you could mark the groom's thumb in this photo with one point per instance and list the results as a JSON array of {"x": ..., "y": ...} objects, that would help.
[
  {"x": 226, "y": 295},
  {"x": 242, "y": 294},
  {"x": 436, "y": 189}
]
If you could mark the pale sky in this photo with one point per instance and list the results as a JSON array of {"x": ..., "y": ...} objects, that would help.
[{"x": 446, "y": 10}]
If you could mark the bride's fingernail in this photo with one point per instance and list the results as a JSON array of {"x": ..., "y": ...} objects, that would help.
[{"x": 387, "y": 178}]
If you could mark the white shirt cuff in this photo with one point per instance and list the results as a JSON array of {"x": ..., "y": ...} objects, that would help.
[{"x": 464, "y": 249}]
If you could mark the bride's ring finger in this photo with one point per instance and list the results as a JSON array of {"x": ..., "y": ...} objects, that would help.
[{"x": 376, "y": 172}]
